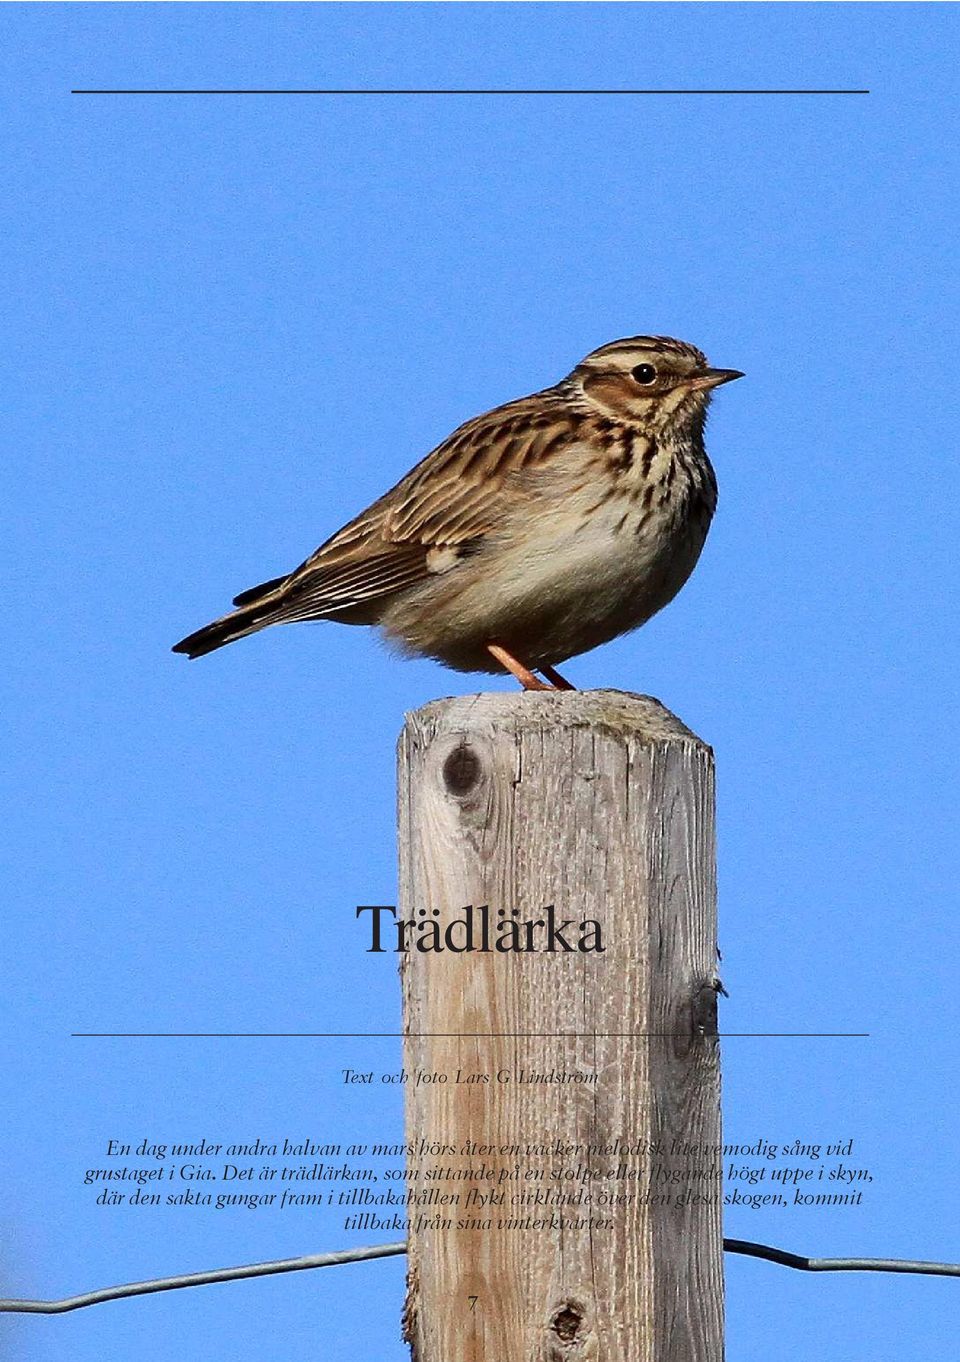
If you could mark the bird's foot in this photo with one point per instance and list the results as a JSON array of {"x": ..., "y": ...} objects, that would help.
[
  {"x": 556, "y": 680},
  {"x": 523, "y": 674}
]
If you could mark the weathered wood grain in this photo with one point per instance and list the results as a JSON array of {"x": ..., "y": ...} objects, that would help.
[{"x": 600, "y": 803}]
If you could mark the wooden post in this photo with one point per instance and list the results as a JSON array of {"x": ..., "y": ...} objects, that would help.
[{"x": 599, "y": 1067}]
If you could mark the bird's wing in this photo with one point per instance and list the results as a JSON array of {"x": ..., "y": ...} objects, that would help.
[
  {"x": 455, "y": 494},
  {"x": 326, "y": 588},
  {"x": 452, "y": 498}
]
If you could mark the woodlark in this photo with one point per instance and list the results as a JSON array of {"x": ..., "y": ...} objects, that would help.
[{"x": 534, "y": 532}]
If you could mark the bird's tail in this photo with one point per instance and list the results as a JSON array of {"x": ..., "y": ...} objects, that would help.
[
  {"x": 236, "y": 625},
  {"x": 260, "y": 606}
]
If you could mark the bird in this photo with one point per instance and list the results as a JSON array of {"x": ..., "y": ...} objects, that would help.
[{"x": 533, "y": 533}]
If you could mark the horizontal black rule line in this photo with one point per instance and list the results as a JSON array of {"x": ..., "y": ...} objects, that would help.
[{"x": 464, "y": 92}]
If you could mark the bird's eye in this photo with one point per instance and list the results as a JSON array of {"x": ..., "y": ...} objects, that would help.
[{"x": 645, "y": 374}]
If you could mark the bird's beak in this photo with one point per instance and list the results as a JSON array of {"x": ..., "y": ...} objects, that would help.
[{"x": 712, "y": 378}]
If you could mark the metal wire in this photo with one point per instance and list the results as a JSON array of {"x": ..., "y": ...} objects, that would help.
[
  {"x": 777, "y": 1255},
  {"x": 357, "y": 1255},
  {"x": 222, "y": 1274}
]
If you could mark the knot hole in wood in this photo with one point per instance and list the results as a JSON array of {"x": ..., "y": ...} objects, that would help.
[
  {"x": 705, "y": 1006},
  {"x": 566, "y": 1323},
  {"x": 568, "y": 1332},
  {"x": 461, "y": 769}
]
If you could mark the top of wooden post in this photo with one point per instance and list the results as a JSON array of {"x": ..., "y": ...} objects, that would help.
[{"x": 640, "y": 717}]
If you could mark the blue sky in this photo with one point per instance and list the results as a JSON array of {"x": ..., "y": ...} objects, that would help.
[{"x": 231, "y": 323}]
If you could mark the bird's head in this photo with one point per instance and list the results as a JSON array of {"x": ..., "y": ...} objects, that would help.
[{"x": 651, "y": 381}]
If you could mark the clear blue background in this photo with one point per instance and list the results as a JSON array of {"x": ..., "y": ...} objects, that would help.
[{"x": 230, "y": 323}]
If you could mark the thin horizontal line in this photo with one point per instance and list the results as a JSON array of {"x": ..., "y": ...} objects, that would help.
[
  {"x": 463, "y": 1035},
  {"x": 467, "y": 92}
]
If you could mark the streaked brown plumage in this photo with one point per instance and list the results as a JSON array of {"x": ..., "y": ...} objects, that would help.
[{"x": 539, "y": 529}]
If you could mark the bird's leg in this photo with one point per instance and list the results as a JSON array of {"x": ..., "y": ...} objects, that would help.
[
  {"x": 523, "y": 674},
  {"x": 556, "y": 680}
]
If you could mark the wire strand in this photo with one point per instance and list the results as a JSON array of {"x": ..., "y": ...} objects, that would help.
[
  {"x": 222, "y": 1274},
  {"x": 778, "y": 1255},
  {"x": 358, "y": 1255}
]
